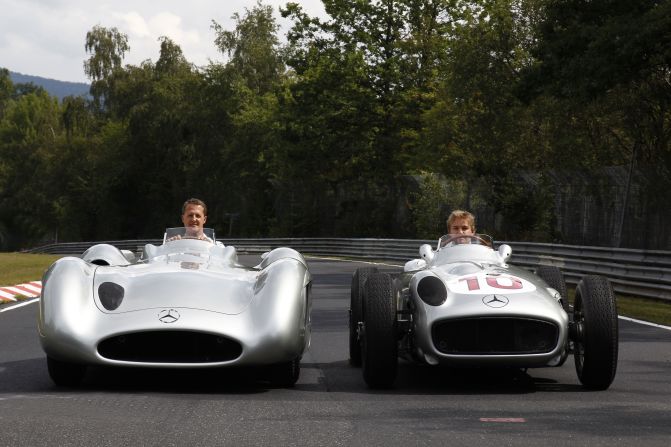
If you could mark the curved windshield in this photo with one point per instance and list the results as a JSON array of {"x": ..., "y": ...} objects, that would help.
[
  {"x": 177, "y": 233},
  {"x": 451, "y": 240}
]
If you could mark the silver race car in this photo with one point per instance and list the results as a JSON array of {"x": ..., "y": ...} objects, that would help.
[
  {"x": 463, "y": 304},
  {"x": 187, "y": 303}
]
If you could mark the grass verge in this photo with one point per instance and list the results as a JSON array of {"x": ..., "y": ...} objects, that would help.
[
  {"x": 654, "y": 311},
  {"x": 18, "y": 268}
]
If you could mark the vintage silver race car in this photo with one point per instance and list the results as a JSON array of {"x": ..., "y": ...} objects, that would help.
[
  {"x": 463, "y": 304},
  {"x": 187, "y": 303}
]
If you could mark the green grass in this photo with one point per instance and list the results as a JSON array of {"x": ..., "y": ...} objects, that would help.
[
  {"x": 653, "y": 311},
  {"x": 18, "y": 268}
]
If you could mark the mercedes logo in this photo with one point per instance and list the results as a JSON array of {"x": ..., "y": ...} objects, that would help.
[
  {"x": 168, "y": 316},
  {"x": 495, "y": 300}
]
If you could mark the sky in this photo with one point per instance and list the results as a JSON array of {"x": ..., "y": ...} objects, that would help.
[{"x": 46, "y": 37}]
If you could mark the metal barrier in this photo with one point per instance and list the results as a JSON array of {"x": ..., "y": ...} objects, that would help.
[{"x": 636, "y": 272}]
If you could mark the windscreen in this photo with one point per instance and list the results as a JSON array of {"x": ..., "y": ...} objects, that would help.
[{"x": 177, "y": 233}]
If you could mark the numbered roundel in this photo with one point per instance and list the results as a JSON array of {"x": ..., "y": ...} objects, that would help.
[{"x": 490, "y": 284}]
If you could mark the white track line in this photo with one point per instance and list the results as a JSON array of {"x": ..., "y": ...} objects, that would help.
[
  {"x": 21, "y": 304},
  {"x": 647, "y": 323}
]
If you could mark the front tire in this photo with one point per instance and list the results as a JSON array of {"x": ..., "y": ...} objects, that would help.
[
  {"x": 596, "y": 332},
  {"x": 379, "y": 343},
  {"x": 285, "y": 374},
  {"x": 64, "y": 373},
  {"x": 356, "y": 311}
]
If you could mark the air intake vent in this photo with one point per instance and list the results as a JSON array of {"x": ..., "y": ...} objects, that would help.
[
  {"x": 170, "y": 347},
  {"x": 494, "y": 336}
]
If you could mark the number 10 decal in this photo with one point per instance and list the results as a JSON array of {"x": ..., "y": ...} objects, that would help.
[{"x": 509, "y": 283}]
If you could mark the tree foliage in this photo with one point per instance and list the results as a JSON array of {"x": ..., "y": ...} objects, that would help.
[{"x": 375, "y": 120}]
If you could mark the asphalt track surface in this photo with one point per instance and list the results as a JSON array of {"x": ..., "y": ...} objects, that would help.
[{"x": 330, "y": 404}]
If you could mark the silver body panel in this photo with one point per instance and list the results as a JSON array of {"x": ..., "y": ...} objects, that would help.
[
  {"x": 200, "y": 285},
  {"x": 474, "y": 275}
]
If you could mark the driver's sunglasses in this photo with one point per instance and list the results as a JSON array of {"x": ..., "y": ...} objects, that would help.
[{"x": 464, "y": 228}]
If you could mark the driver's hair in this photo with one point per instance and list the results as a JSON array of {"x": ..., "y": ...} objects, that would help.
[
  {"x": 461, "y": 214},
  {"x": 193, "y": 201}
]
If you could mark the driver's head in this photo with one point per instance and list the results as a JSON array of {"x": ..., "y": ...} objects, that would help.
[
  {"x": 460, "y": 222},
  {"x": 194, "y": 216}
]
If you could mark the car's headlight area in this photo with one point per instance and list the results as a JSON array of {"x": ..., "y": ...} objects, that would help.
[
  {"x": 111, "y": 295},
  {"x": 432, "y": 290}
]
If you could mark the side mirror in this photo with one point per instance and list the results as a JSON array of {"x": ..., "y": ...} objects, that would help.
[
  {"x": 426, "y": 253},
  {"x": 505, "y": 251}
]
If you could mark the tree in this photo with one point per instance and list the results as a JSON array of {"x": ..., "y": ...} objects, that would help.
[
  {"x": 478, "y": 130},
  {"x": 366, "y": 74},
  {"x": 242, "y": 98},
  {"x": 171, "y": 58},
  {"x": 253, "y": 48},
  {"x": 107, "y": 48},
  {"x": 29, "y": 130},
  {"x": 585, "y": 48},
  {"x": 6, "y": 88}
]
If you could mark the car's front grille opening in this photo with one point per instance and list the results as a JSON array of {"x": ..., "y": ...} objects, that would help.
[
  {"x": 170, "y": 347},
  {"x": 494, "y": 336}
]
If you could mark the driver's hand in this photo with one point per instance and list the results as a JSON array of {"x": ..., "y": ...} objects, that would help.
[{"x": 174, "y": 238}]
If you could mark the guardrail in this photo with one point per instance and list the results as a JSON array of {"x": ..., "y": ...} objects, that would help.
[{"x": 636, "y": 272}]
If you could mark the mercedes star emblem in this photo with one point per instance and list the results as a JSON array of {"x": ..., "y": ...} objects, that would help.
[
  {"x": 495, "y": 300},
  {"x": 168, "y": 316}
]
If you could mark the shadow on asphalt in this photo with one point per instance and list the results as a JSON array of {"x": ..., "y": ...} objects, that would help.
[
  {"x": 417, "y": 379},
  {"x": 28, "y": 376}
]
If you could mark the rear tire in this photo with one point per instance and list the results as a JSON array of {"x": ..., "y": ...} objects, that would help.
[
  {"x": 64, "y": 373},
  {"x": 356, "y": 311},
  {"x": 285, "y": 374},
  {"x": 555, "y": 279},
  {"x": 379, "y": 342},
  {"x": 596, "y": 332}
]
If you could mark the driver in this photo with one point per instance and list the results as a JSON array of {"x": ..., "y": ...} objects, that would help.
[
  {"x": 461, "y": 222},
  {"x": 194, "y": 216}
]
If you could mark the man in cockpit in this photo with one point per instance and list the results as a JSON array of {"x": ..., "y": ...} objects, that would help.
[
  {"x": 194, "y": 216},
  {"x": 461, "y": 222}
]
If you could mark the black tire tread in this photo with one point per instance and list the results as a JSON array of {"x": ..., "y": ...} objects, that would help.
[
  {"x": 285, "y": 374},
  {"x": 380, "y": 353},
  {"x": 600, "y": 340},
  {"x": 64, "y": 373},
  {"x": 356, "y": 311}
]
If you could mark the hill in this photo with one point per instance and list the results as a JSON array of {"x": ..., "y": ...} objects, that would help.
[{"x": 59, "y": 89}]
